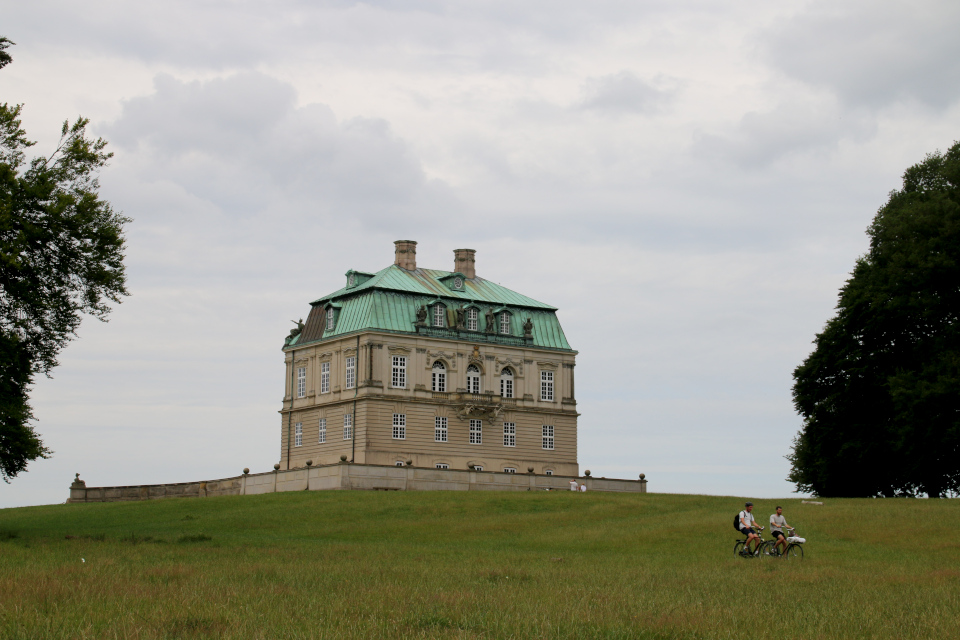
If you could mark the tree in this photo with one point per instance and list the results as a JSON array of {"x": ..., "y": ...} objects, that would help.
[
  {"x": 880, "y": 394},
  {"x": 61, "y": 255}
]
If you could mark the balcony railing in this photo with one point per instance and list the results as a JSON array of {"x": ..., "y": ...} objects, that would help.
[{"x": 471, "y": 336}]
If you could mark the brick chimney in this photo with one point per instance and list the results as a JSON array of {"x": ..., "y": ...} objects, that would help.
[
  {"x": 464, "y": 261},
  {"x": 405, "y": 255}
]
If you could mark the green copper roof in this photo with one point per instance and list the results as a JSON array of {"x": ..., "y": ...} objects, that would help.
[
  {"x": 426, "y": 282},
  {"x": 390, "y": 299}
]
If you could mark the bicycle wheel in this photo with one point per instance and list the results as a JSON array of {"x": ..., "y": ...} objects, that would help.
[
  {"x": 737, "y": 548},
  {"x": 768, "y": 549},
  {"x": 795, "y": 551}
]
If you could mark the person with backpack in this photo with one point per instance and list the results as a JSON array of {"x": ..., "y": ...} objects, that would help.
[{"x": 747, "y": 525}]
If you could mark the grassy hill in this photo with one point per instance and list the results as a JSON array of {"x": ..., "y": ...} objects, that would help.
[{"x": 474, "y": 565}]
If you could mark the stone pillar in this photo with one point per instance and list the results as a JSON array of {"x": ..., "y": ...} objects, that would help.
[
  {"x": 405, "y": 254},
  {"x": 464, "y": 261},
  {"x": 78, "y": 490}
]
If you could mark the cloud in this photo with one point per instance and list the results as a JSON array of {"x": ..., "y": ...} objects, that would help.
[
  {"x": 241, "y": 144},
  {"x": 791, "y": 129},
  {"x": 873, "y": 54},
  {"x": 621, "y": 92}
]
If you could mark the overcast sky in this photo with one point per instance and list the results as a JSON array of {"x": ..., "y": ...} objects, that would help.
[{"x": 688, "y": 181}]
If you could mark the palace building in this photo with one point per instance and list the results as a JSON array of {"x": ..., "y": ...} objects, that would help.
[{"x": 429, "y": 368}]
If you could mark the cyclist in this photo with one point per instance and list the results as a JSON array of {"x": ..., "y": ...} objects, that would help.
[
  {"x": 748, "y": 527},
  {"x": 777, "y": 524}
]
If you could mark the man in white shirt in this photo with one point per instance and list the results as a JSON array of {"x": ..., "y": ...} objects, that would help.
[
  {"x": 749, "y": 528},
  {"x": 574, "y": 486},
  {"x": 777, "y": 525},
  {"x": 583, "y": 488}
]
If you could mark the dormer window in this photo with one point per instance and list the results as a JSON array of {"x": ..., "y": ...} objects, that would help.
[
  {"x": 330, "y": 318},
  {"x": 505, "y": 323},
  {"x": 351, "y": 280},
  {"x": 439, "y": 315},
  {"x": 473, "y": 319}
]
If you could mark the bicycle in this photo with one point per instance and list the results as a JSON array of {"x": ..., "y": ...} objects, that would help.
[
  {"x": 740, "y": 544},
  {"x": 769, "y": 549}
]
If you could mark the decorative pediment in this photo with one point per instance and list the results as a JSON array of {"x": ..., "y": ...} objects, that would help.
[
  {"x": 396, "y": 349},
  {"x": 548, "y": 365}
]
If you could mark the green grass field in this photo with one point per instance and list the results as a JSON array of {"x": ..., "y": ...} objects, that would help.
[{"x": 474, "y": 565}]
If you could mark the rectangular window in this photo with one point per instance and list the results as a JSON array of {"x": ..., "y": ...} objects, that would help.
[
  {"x": 301, "y": 382},
  {"x": 439, "y": 311},
  {"x": 546, "y": 385},
  {"x": 547, "y": 437},
  {"x": 324, "y": 377},
  {"x": 509, "y": 434},
  {"x": 472, "y": 319},
  {"x": 351, "y": 380},
  {"x": 441, "y": 465},
  {"x": 549, "y": 472},
  {"x": 348, "y": 426},
  {"x": 399, "y": 378},
  {"x": 399, "y": 426},
  {"x": 506, "y": 387},
  {"x": 505, "y": 323},
  {"x": 329, "y": 318},
  {"x": 476, "y": 432},
  {"x": 478, "y": 468},
  {"x": 298, "y": 435},
  {"x": 398, "y": 464},
  {"x": 323, "y": 430},
  {"x": 439, "y": 429},
  {"x": 509, "y": 469}
]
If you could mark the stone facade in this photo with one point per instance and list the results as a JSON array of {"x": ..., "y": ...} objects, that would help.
[{"x": 395, "y": 421}]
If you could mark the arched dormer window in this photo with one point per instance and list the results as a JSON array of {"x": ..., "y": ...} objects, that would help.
[
  {"x": 439, "y": 315},
  {"x": 505, "y": 323},
  {"x": 331, "y": 318},
  {"x": 506, "y": 383},
  {"x": 439, "y": 378},
  {"x": 473, "y": 379},
  {"x": 473, "y": 319}
]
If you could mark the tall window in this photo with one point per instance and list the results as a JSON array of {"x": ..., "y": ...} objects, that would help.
[
  {"x": 324, "y": 377},
  {"x": 439, "y": 429},
  {"x": 329, "y": 318},
  {"x": 323, "y": 430},
  {"x": 509, "y": 434},
  {"x": 351, "y": 380},
  {"x": 439, "y": 379},
  {"x": 505, "y": 323},
  {"x": 298, "y": 435},
  {"x": 506, "y": 383},
  {"x": 546, "y": 385},
  {"x": 473, "y": 319},
  {"x": 476, "y": 432},
  {"x": 399, "y": 426},
  {"x": 301, "y": 382},
  {"x": 547, "y": 437},
  {"x": 473, "y": 379},
  {"x": 439, "y": 315},
  {"x": 399, "y": 379},
  {"x": 348, "y": 426}
]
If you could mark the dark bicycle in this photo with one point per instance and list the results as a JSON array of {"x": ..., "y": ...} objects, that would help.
[
  {"x": 769, "y": 548},
  {"x": 739, "y": 547}
]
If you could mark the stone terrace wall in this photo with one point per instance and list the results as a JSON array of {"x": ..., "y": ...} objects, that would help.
[{"x": 351, "y": 476}]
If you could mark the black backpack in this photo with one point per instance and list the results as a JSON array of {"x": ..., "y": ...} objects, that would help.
[{"x": 736, "y": 521}]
